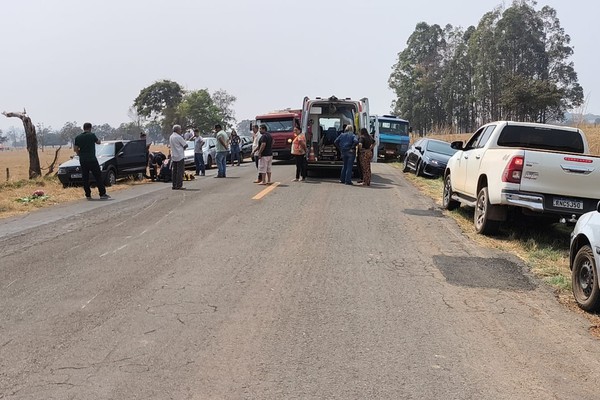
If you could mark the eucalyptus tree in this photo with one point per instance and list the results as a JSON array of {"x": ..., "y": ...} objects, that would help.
[{"x": 415, "y": 78}]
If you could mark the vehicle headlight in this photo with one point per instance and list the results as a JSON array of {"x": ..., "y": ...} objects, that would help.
[
  {"x": 62, "y": 171},
  {"x": 289, "y": 140},
  {"x": 434, "y": 162}
]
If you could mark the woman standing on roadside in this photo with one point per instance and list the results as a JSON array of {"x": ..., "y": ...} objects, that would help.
[
  {"x": 365, "y": 151},
  {"x": 299, "y": 153}
]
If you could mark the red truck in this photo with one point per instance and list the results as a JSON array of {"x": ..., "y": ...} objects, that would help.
[{"x": 280, "y": 125}]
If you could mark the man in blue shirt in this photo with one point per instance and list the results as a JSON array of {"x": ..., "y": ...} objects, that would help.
[{"x": 346, "y": 143}]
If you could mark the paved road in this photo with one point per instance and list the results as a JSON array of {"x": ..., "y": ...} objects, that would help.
[{"x": 314, "y": 290}]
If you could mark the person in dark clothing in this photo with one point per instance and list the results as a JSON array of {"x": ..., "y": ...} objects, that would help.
[
  {"x": 85, "y": 147},
  {"x": 347, "y": 142}
]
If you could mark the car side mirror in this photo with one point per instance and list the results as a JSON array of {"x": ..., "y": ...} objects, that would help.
[
  {"x": 598, "y": 207},
  {"x": 120, "y": 154},
  {"x": 458, "y": 145},
  {"x": 419, "y": 148}
]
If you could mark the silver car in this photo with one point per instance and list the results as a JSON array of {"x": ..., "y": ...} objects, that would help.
[{"x": 208, "y": 151}]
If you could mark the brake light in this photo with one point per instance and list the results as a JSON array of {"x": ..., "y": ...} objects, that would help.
[{"x": 513, "y": 171}]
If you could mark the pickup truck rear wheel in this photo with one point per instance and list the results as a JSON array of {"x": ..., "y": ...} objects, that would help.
[
  {"x": 585, "y": 280},
  {"x": 447, "y": 202},
  {"x": 483, "y": 209},
  {"x": 111, "y": 178}
]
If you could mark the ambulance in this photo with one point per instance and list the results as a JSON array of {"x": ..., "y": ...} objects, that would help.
[{"x": 323, "y": 119}]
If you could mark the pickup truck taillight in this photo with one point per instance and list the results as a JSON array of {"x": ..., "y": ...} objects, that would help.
[{"x": 514, "y": 169}]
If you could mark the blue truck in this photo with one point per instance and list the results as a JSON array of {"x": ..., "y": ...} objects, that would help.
[{"x": 392, "y": 135}]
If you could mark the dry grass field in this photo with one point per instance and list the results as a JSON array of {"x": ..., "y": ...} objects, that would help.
[{"x": 17, "y": 186}]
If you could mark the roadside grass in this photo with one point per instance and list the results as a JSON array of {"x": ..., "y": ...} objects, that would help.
[
  {"x": 544, "y": 247},
  {"x": 12, "y": 191}
]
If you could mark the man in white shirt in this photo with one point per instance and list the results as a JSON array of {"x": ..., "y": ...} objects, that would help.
[
  {"x": 198, "y": 152},
  {"x": 178, "y": 146}
]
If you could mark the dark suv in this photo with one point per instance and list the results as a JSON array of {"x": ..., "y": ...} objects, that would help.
[{"x": 117, "y": 159}]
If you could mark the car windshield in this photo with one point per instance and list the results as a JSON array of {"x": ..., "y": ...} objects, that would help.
[
  {"x": 105, "y": 149},
  {"x": 440, "y": 147},
  {"x": 393, "y": 127},
  {"x": 279, "y": 124}
]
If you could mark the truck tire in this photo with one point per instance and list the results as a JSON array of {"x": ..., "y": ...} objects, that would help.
[
  {"x": 447, "y": 202},
  {"x": 111, "y": 178},
  {"x": 481, "y": 217},
  {"x": 585, "y": 280}
]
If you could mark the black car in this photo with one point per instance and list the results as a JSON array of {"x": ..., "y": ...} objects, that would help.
[
  {"x": 245, "y": 148},
  {"x": 428, "y": 157},
  {"x": 117, "y": 159}
]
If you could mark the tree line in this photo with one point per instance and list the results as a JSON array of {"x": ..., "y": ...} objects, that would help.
[
  {"x": 514, "y": 65},
  {"x": 155, "y": 110}
]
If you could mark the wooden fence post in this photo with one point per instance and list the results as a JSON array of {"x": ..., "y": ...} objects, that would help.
[{"x": 7, "y": 174}]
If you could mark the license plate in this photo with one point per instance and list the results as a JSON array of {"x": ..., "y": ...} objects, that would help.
[
  {"x": 275, "y": 153},
  {"x": 75, "y": 176},
  {"x": 389, "y": 152},
  {"x": 566, "y": 203}
]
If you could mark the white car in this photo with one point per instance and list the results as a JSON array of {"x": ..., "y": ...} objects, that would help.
[
  {"x": 208, "y": 150},
  {"x": 584, "y": 259}
]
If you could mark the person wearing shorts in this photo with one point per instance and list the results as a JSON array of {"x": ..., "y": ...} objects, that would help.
[{"x": 265, "y": 155}]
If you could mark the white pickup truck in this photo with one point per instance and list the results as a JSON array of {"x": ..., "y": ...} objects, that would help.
[{"x": 541, "y": 169}]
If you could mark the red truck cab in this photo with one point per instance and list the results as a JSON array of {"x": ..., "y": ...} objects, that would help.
[{"x": 280, "y": 124}]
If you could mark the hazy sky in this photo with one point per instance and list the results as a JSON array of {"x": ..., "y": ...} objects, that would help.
[{"x": 74, "y": 60}]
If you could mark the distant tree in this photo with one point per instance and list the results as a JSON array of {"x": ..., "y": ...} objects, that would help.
[
  {"x": 154, "y": 131},
  {"x": 69, "y": 131},
  {"x": 159, "y": 101},
  {"x": 243, "y": 127},
  {"x": 104, "y": 132},
  {"x": 3, "y": 138},
  {"x": 32, "y": 145},
  {"x": 415, "y": 78},
  {"x": 224, "y": 103},
  {"x": 198, "y": 110},
  {"x": 127, "y": 131}
]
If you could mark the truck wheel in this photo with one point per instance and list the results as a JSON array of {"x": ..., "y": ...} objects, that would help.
[
  {"x": 585, "y": 280},
  {"x": 405, "y": 167},
  {"x": 447, "y": 202},
  {"x": 483, "y": 208},
  {"x": 111, "y": 178}
]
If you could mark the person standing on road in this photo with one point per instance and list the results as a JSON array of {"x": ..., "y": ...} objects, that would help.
[
  {"x": 365, "y": 154},
  {"x": 234, "y": 142},
  {"x": 178, "y": 146},
  {"x": 221, "y": 150},
  {"x": 255, "y": 138},
  {"x": 85, "y": 147},
  {"x": 199, "y": 153},
  {"x": 299, "y": 153},
  {"x": 347, "y": 142},
  {"x": 265, "y": 155}
]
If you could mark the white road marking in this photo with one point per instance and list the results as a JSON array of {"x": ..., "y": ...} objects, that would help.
[{"x": 10, "y": 284}]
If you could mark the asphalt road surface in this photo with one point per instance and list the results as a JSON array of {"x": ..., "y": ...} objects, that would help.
[{"x": 299, "y": 290}]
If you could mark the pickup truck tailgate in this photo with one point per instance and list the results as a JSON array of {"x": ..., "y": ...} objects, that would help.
[{"x": 570, "y": 182}]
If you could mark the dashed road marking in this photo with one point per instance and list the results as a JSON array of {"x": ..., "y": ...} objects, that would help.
[{"x": 266, "y": 191}]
